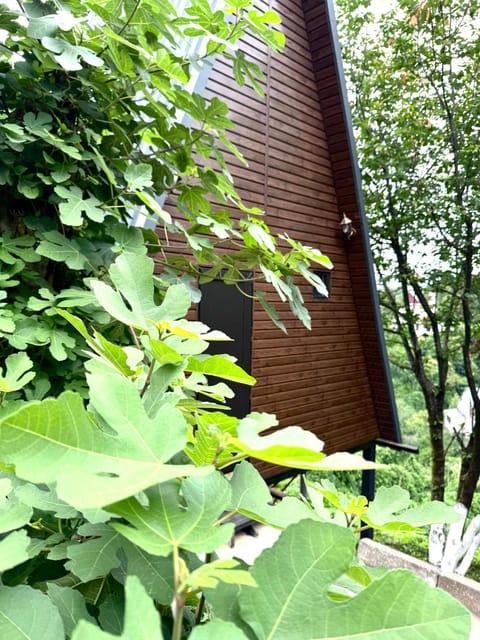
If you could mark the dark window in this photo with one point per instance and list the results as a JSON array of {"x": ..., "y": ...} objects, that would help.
[{"x": 226, "y": 308}]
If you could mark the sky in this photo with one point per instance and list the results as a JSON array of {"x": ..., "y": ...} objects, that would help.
[{"x": 382, "y": 6}]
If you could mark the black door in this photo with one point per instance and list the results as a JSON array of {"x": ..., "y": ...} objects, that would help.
[{"x": 226, "y": 308}]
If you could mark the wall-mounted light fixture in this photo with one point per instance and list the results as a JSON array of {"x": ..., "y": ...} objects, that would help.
[{"x": 347, "y": 227}]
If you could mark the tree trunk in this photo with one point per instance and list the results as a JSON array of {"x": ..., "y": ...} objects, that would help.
[
  {"x": 435, "y": 420},
  {"x": 470, "y": 469}
]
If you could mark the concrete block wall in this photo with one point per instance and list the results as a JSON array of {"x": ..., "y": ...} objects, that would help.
[{"x": 467, "y": 591}]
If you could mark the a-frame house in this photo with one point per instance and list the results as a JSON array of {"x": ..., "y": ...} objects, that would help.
[{"x": 333, "y": 380}]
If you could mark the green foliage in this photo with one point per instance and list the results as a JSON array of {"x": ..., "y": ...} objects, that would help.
[
  {"x": 95, "y": 101},
  {"x": 180, "y": 515},
  {"x": 302, "y": 565},
  {"x": 18, "y": 373},
  {"x": 411, "y": 70},
  {"x": 389, "y": 512},
  {"x": 28, "y": 613},
  {"x": 141, "y": 618},
  {"x": 103, "y": 513}
]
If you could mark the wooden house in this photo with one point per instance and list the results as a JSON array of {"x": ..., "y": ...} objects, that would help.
[{"x": 333, "y": 380}]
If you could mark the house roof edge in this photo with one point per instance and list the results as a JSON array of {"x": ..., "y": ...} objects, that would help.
[{"x": 342, "y": 88}]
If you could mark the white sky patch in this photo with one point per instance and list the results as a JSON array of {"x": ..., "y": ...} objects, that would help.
[{"x": 379, "y": 7}]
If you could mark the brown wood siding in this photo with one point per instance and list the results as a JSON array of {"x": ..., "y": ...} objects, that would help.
[
  {"x": 337, "y": 135},
  {"x": 317, "y": 379},
  {"x": 300, "y": 173}
]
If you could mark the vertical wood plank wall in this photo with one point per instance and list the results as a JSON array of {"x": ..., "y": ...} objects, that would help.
[
  {"x": 318, "y": 379},
  {"x": 330, "y": 95}
]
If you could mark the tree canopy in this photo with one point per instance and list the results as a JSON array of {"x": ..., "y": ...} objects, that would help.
[{"x": 413, "y": 75}]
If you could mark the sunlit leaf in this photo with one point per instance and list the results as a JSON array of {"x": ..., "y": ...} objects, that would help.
[
  {"x": 139, "y": 176},
  {"x": 210, "y": 574},
  {"x": 71, "y": 211},
  {"x": 390, "y": 510},
  {"x": 14, "y": 549},
  {"x": 14, "y": 512},
  {"x": 28, "y": 614},
  {"x": 57, "y": 247},
  {"x": 251, "y": 497},
  {"x": 302, "y": 565},
  {"x": 217, "y": 630},
  {"x": 132, "y": 300},
  {"x": 94, "y": 555},
  {"x": 220, "y": 367},
  {"x": 46, "y": 499},
  {"x": 56, "y": 440},
  {"x": 178, "y": 516},
  {"x": 17, "y": 373}
]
